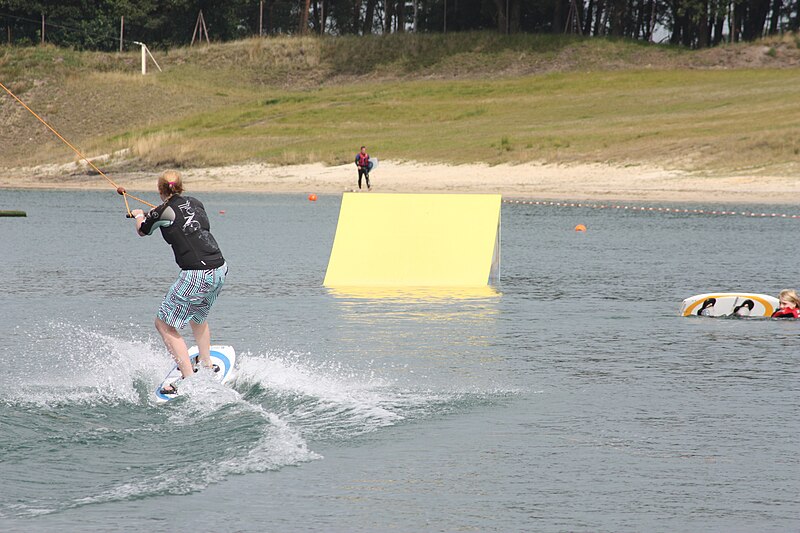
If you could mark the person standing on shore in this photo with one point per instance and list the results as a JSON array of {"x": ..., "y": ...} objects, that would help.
[
  {"x": 184, "y": 225},
  {"x": 364, "y": 165}
]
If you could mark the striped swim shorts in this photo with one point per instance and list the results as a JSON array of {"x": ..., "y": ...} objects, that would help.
[{"x": 191, "y": 296}]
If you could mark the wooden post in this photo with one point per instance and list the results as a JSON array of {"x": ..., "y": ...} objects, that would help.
[
  {"x": 205, "y": 29},
  {"x": 573, "y": 24},
  {"x": 153, "y": 58},
  {"x": 194, "y": 33},
  {"x": 260, "y": 22},
  {"x": 121, "y": 32},
  {"x": 199, "y": 28},
  {"x": 42, "y": 28},
  {"x": 145, "y": 53},
  {"x": 8, "y": 30},
  {"x": 416, "y": 9},
  {"x": 445, "y": 23}
]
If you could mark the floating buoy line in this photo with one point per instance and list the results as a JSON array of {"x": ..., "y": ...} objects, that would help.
[
  {"x": 624, "y": 207},
  {"x": 120, "y": 190}
]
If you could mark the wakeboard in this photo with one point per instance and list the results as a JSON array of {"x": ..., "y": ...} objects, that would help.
[
  {"x": 222, "y": 356},
  {"x": 743, "y": 304}
]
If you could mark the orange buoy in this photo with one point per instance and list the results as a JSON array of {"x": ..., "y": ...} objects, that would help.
[
  {"x": 312, "y": 197},
  {"x": 580, "y": 227},
  {"x": 221, "y": 212}
]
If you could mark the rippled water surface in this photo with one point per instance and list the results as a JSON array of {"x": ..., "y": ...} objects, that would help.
[{"x": 575, "y": 399}]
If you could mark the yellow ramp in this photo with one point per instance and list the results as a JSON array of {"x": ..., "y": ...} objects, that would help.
[{"x": 422, "y": 240}]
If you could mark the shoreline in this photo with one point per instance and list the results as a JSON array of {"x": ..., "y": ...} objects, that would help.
[{"x": 577, "y": 182}]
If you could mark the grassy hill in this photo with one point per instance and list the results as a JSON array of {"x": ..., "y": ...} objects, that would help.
[{"x": 454, "y": 98}]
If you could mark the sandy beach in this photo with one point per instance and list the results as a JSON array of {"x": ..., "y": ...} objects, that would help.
[{"x": 580, "y": 182}]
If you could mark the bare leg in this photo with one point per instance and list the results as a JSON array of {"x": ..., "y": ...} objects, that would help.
[
  {"x": 202, "y": 336},
  {"x": 176, "y": 346}
]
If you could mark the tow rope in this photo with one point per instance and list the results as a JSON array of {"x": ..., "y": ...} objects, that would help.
[{"x": 120, "y": 190}]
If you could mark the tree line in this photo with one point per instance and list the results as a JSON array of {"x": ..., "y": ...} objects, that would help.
[{"x": 99, "y": 24}]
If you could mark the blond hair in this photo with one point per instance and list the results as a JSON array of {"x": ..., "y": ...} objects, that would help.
[
  {"x": 789, "y": 295},
  {"x": 170, "y": 183}
]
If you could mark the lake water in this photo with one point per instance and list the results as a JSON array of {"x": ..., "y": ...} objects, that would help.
[{"x": 574, "y": 400}]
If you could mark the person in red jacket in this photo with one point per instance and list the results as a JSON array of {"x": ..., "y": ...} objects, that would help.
[
  {"x": 789, "y": 305},
  {"x": 364, "y": 166}
]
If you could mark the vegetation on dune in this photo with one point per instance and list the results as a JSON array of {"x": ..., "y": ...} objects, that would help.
[{"x": 460, "y": 98}]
